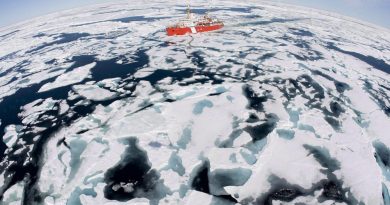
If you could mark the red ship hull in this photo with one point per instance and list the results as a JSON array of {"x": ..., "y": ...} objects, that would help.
[{"x": 178, "y": 31}]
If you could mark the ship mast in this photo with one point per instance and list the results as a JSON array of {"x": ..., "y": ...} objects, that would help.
[
  {"x": 188, "y": 10},
  {"x": 208, "y": 8}
]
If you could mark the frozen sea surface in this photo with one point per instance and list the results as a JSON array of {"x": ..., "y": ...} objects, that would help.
[{"x": 284, "y": 105}]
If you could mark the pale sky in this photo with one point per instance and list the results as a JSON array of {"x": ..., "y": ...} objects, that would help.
[{"x": 373, "y": 11}]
